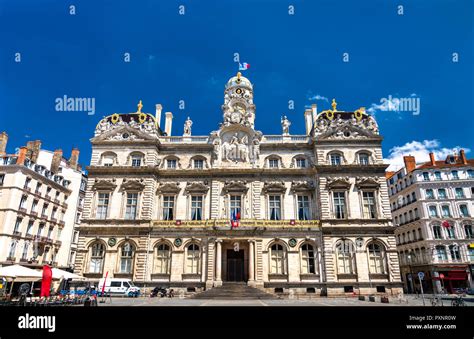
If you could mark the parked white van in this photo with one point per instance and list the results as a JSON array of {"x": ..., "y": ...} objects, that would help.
[{"x": 116, "y": 286}]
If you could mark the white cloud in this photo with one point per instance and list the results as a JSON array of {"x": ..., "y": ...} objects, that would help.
[
  {"x": 394, "y": 104},
  {"x": 318, "y": 97},
  {"x": 420, "y": 150}
]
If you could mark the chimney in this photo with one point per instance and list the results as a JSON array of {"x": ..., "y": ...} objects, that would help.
[
  {"x": 33, "y": 150},
  {"x": 21, "y": 156},
  {"x": 74, "y": 159},
  {"x": 461, "y": 154},
  {"x": 168, "y": 122},
  {"x": 158, "y": 114},
  {"x": 3, "y": 143},
  {"x": 410, "y": 163},
  {"x": 308, "y": 121},
  {"x": 432, "y": 159},
  {"x": 314, "y": 109},
  {"x": 57, "y": 156}
]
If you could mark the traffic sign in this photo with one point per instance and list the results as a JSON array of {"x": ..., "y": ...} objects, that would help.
[
  {"x": 441, "y": 276},
  {"x": 421, "y": 275}
]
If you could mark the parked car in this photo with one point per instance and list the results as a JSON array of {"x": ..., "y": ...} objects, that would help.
[
  {"x": 115, "y": 286},
  {"x": 470, "y": 291}
]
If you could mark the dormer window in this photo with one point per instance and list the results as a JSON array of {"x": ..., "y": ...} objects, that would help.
[
  {"x": 171, "y": 163},
  {"x": 426, "y": 176},
  {"x": 363, "y": 159},
  {"x": 451, "y": 159},
  {"x": 335, "y": 159}
]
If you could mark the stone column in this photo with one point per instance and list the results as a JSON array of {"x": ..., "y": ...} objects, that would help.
[
  {"x": 251, "y": 281},
  {"x": 218, "y": 262}
]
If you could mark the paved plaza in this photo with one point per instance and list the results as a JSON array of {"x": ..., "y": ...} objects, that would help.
[{"x": 353, "y": 301}]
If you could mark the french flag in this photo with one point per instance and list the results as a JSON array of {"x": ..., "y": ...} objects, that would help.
[
  {"x": 235, "y": 219},
  {"x": 243, "y": 66}
]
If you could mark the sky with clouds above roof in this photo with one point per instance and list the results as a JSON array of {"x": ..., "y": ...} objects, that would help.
[{"x": 363, "y": 53}]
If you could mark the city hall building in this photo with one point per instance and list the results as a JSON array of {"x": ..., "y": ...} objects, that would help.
[{"x": 312, "y": 211}]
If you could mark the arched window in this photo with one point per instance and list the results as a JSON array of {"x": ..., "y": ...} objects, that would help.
[
  {"x": 437, "y": 231},
  {"x": 193, "y": 259},
  {"x": 278, "y": 259},
  {"x": 162, "y": 259},
  {"x": 345, "y": 257},
  {"x": 308, "y": 262},
  {"x": 126, "y": 258},
  {"x": 273, "y": 161},
  {"x": 376, "y": 254},
  {"x": 97, "y": 258}
]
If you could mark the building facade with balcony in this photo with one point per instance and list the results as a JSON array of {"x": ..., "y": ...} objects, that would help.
[
  {"x": 39, "y": 193},
  {"x": 311, "y": 211},
  {"x": 432, "y": 206}
]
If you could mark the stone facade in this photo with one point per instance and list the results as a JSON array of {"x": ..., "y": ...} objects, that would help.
[
  {"x": 432, "y": 205},
  {"x": 311, "y": 211},
  {"x": 41, "y": 194}
]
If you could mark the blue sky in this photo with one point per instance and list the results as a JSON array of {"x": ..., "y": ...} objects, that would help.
[{"x": 190, "y": 57}]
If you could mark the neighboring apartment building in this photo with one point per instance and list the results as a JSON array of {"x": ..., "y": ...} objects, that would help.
[
  {"x": 39, "y": 196},
  {"x": 432, "y": 205},
  {"x": 313, "y": 208}
]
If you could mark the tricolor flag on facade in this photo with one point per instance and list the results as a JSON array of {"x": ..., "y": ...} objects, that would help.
[
  {"x": 235, "y": 219},
  {"x": 243, "y": 66}
]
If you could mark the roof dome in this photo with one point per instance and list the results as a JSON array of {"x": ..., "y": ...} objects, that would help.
[{"x": 238, "y": 80}]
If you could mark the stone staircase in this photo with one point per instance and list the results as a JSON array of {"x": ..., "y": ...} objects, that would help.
[{"x": 234, "y": 291}]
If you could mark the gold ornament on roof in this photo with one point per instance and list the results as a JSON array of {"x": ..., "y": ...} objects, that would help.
[
  {"x": 238, "y": 76},
  {"x": 140, "y": 105},
  {"x": 334, "y": 105}
]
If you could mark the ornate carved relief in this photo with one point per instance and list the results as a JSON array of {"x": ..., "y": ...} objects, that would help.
[
  {"x": 169, "y": 187},
  {"x": 196, "y": 187},
  {"x": 301, "y": 186},
  {"x": 274, "y": 186},
  {"x": 104, "y": 185},
  {"x": 235, "y": 186},
  {"x": 338, "y": 182},
  {"x": 367, "y": 182},
  {"x": 132, "y": 185}
]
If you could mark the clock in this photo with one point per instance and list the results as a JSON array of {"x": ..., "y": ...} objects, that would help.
[
  {"x": 359, "y": 242},
  {"x": 178, "y": 242},
  {"x": 292, "y": 242},
  {"x": 112, "y": 242}
]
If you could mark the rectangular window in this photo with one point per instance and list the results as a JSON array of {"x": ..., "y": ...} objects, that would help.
[
  {"x": 40, "y": 230},
  {"x": 426, "y": 176},
  {"x": 17, "y": 225},
  {"x": 438, "y": 175},
  {"x": 168, "y": 207},
  {"x": 24, "y": 255},
  {"x": 463, "y": 211},
  {"x": 171, "y": 163},
  {"x": 363, "y": 159},
  {"x": 53, "y": 213},
  {"x": 437, "y": 232},
  {"x": 275, "y": 207},
  {"x": 369, "y": 207},
  {"x": 335, "y": 159},
  {"x": 459, "y": 192},
  {"x": 450, "y": 231},
  {"x": 29, "y": 229},
  {"x": 429, "y": 194},
  {"x": 38, "y": 188},
  {"x": 198, "y": 163},
  {"x": 50, "y": 231},
  {"x": 45, "y": 208},
  {"x": 136, "y": 161},
  {"x": 470, "y": 174},
  {"x": 102, "y": 205},
  {"x": 196, "y": 207},
  {"x": 23, "y": 201},
  {"x": 235, "y": 204},
  {"x": 273, "y": 163},
  {"x": 300, "y": 163},
  {"x": 455, "y": 175},
  {"x": 303, "y": 207},
  {"x": 27, "y": 183},
  {"x": 445, "y": 211},
  {"x": 339, "y": 205},
  {"x": 131, "y": 207},
  {"x": 2, "y": 179},
  {"x": 468, "y": 231},
  {"x": 433, "y": 211},
  {"x": 442, "y": 193}
]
